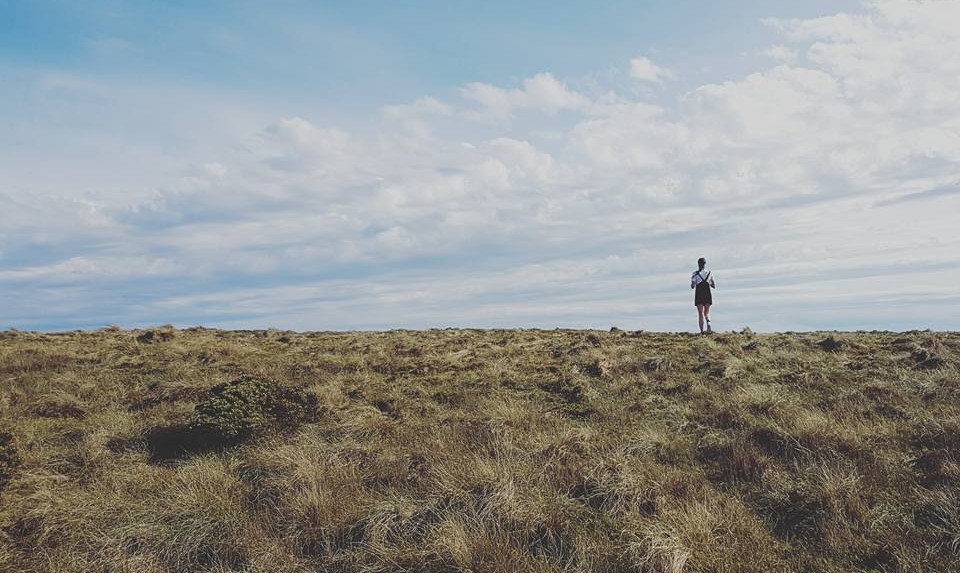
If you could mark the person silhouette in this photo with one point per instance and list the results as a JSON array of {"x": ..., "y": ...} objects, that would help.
[{"x": 702, "y": 281}]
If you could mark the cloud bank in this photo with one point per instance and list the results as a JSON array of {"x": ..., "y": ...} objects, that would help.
[{"x": 817, "y": 187}]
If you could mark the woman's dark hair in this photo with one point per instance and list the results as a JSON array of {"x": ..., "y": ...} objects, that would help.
[{"x": 702, "y": 262}]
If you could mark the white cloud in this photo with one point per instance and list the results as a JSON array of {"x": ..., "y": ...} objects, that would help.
[
  {"x": 629, "y": 135},
  {"x": 780, "y": 53},
  {"x": 101, "y": 268},
  {"x": 542, "y": 92},
  {"x": 423, "y": 106},
  {"x": 643, "y": 69},
  {"x": 524, "y": 162},
  {"x": 415, "y": 117}
]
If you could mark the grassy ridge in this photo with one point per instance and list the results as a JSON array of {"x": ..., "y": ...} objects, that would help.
[{"x": 461, "y": 450}]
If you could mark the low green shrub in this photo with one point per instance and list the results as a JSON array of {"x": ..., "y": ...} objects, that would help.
[{"x": 237, "y": 409}]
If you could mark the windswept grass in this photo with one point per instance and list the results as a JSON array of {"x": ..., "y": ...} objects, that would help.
[{"x": 484, "y": 451}]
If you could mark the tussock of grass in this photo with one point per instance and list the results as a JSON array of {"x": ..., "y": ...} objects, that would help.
[
  {"x": 9, "y": 458},
  {"x": 169, "y": 450}
]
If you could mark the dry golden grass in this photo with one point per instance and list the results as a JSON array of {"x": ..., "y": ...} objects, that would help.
[{"x": 482, "y": 451}]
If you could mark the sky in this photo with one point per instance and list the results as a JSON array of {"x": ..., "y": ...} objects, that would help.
[{"x": 427, "y": 164}]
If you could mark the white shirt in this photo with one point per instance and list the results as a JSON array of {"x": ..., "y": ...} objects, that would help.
[{"x": 699, "y": 276}]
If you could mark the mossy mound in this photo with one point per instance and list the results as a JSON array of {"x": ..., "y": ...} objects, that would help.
[{"x": 238, "y": 409}]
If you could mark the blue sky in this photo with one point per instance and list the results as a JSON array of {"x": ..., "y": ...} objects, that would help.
[
  {"x": 320, "y": 165},
  {"x": 297, "y": 48}
]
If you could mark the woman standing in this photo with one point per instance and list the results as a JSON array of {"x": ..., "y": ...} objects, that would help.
[{"x": 702, "y": 281}]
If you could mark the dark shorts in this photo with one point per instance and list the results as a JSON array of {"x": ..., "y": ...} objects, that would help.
[{"x": 703, "y": 295}]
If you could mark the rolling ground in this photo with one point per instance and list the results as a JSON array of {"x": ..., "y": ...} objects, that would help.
[{"x": 487, "y": 451}]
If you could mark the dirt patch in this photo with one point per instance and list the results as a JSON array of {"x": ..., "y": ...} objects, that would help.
[
  {"x": 175, "y": 442},
  {"x": 831, "y": 344},
  {"x": 9, "y": 459},
  {"x": 775, "y": 444},
  {"x": 930, "y": 355},
  {"x": 388, "y": 407},
  {"x": 596, "y": 368},
  {"x": 154, "y": 336},
  {"x": 656, "y": 364},
  {"x": 731, "y": 462},
  {"x": 60, "y": 410},
  {"x": 794, "y": 515}
]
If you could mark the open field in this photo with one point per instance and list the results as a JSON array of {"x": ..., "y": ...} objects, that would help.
[{"x": 461, "y": 450}]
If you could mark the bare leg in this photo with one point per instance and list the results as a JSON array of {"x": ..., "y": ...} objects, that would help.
[
  {"x": 700, "y": 316},
  {"x": 706, "y": 315}
]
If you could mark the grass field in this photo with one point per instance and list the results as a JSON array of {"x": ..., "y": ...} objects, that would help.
[{"x": 486, "y": 451}]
